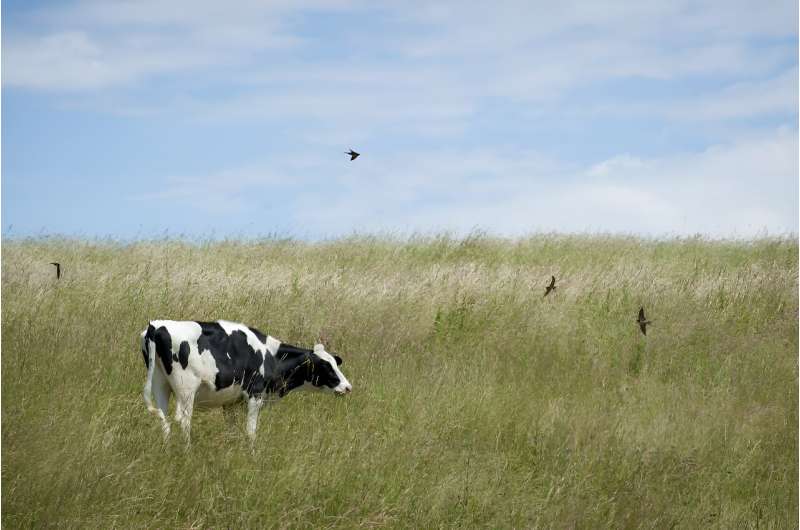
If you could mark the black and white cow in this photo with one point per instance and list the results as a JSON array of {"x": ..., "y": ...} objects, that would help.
[{"x": 212, "y": 364}]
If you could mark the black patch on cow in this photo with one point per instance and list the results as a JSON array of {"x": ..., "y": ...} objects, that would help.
[
  {"x": 148, "y": 333},
  {"x": 299, "y": 365},
  {"x": 163, "y": 343},
  {"x": 237, "y": 362},
  {"x": 323, "y": 373},
  {"x": 293, "y": 368},
  {"x": 183, "y": 354},
  {"x": 175, "y": 358},
  {"x": 338, "y": 359}
]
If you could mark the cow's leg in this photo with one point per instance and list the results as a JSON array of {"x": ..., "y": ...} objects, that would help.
[
  {"x": 162, "y": 391},
  {"x": 184, "y": 402},
  {"x": 184, "y": 406},
  {"x": 254, "y": 404}
]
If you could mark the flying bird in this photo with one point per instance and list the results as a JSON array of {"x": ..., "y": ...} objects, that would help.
[
  {"x": 58, "y": 269},
  {"x": 643, "y": 322},
  {"x": 353, "y": 154},
  {"x": 552, "y": 286}
]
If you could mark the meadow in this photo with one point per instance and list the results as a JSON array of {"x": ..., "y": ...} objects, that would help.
[{"x": 476, "y": 401}]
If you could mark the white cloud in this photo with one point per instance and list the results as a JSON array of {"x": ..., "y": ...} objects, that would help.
[
  {"x": 73, "y": 60},
  {"x": 100, "y": 44},
  {"x": 515, "y": 48},
  {"x": 455, "y": 26},
  {"x": 736, "y": 189},
  {"x": 727, "y": 190},
  {"x": 746, "y": 99},
  {"x": 221, "y": 193}
]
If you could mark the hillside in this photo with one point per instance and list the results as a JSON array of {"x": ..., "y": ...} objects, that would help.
[{"x": 476, "y": 401}]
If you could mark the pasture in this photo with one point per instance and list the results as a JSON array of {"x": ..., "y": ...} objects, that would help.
[{"x": 476, "y": 402}]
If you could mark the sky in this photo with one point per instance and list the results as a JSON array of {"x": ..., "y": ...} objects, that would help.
[{"x": 207, "y": 119}]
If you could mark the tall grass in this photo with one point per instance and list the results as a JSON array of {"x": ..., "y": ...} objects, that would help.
[{"x": 476, "y": 402}]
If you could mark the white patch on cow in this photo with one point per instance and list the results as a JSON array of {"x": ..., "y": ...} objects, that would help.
[
  {"x": 272, "y": 345},
  {"x": 253, "y": 408},
  {"x": 203, "y": 364},
  {"x": 344, "y": 385},
  {"x": 179, "y": 332}
]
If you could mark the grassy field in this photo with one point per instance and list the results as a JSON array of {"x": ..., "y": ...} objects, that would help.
[{"x": 476, "y": 402}]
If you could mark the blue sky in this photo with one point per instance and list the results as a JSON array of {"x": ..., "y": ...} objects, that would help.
[{"x": 210, "y": 119}]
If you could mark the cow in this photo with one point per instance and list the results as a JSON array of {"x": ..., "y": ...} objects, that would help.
[{"x": 212, "y": 364}]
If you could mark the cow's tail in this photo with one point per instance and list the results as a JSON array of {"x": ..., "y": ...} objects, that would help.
[{"x": 149, "y": 353}]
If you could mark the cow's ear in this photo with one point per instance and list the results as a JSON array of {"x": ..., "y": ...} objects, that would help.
[{"x": 339, "y": 360}]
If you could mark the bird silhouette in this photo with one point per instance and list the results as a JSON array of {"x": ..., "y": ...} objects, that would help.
[
  {"x": 643, "y": 322},
  {"x": 551, "y": 287},
  {"x": 58, "y": 269},
  {"x": 353, "y": 154}
]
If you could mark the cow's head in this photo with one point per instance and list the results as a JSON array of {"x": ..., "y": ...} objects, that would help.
[
  {"x": 312, "y": 369},
  {"x": 325, "y": 372}
]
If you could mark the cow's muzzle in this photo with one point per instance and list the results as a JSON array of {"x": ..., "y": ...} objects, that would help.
[{"x": 346, "y": 389}]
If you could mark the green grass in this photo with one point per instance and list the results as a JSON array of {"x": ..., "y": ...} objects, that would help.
[{"x": 476, "y": 402}]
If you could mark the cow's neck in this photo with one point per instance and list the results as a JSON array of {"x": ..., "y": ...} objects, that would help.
[{"x": 293, "y": 367}]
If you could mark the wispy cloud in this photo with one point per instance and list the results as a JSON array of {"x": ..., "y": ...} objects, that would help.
[
  {"x": 93, "y": 44},
  {"x": 742, "y": 188},
  {"x": 746, "y": 99},
  {"x": 223, "y": 192}
]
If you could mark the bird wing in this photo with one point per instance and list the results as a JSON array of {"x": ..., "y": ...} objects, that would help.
[
  {"x": 641, "y": 314},
  {"x": 643, "y": 327}
]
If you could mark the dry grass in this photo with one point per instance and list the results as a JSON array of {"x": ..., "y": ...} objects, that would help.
[{"x": 476, "y": 401}]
